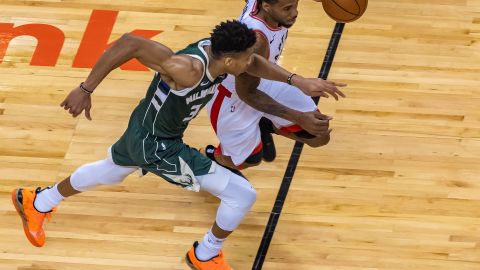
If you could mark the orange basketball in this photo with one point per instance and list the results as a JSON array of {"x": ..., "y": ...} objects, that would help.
[{"x": 345, "y": 10}]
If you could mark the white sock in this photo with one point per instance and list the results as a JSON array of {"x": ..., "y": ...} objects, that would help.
[
  {"x": 209, "y": 247},
  {"x": 47, "y": 199}
]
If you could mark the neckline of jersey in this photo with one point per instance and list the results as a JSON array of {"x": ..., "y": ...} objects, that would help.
[{"x": 200, "y": 47}]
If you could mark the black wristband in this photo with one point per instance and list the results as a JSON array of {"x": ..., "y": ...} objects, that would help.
[
  {"x": 85, "y": 89},
  {"x": 289, "y": 80}
]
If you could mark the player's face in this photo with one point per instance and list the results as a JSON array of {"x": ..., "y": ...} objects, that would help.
[
  {"x": 285, "y": 12},
  {"x": 239, "y": 62}
]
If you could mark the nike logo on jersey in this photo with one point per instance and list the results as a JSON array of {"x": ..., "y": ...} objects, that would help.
[
  {"x": 201, "y": 94},
  {"x": 204, "y": 83}
]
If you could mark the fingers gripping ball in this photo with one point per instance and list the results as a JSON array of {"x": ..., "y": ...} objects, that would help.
[{"x": 345, "y": 10}]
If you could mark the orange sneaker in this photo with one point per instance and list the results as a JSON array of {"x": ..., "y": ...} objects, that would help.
[
  {"x": 215, "y": 263},
  {"x": 31, "y": 218}
]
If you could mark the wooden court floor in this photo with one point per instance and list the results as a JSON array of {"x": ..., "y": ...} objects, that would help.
[{"x": 397, "y": 188}]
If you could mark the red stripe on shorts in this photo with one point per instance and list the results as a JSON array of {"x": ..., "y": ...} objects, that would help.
[{"x": 291, "y": 129}]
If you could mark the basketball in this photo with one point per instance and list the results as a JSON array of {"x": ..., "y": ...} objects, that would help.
[{"x": 345, "y": 10}]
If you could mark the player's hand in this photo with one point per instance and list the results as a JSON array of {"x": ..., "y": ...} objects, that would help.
[
  {"x": 315, "y": 123},
  {"x": 315, "y": 87},
  {"x": 76, "y": 102}
]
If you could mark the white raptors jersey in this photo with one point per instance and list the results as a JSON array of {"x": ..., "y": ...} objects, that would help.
[
  {"x": 235, "y": 122},
  {"x": 275, "y": 36}
]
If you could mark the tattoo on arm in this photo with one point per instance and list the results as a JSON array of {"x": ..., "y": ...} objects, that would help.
[
  {"x": 246, "y": 86},
  {"x": 265, "y": 103}
]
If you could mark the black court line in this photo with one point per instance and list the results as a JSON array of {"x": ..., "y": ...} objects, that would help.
[{"x": 294, "y": 157}]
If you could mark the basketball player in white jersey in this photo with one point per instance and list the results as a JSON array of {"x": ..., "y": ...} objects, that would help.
[{"x": 246, "y": 110}]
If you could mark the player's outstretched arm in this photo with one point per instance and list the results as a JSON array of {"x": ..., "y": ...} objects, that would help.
[
  {"x": 183, "y": 70},
  {"x": 246, "y": 86},
  {"x": 314, "y": 122},
  {"x": 262, "y": 68}
]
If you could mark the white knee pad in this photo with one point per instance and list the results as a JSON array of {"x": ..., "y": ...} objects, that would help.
[
  {"x": 237, "y": 196},
  {"x": 103, "y": 172}
]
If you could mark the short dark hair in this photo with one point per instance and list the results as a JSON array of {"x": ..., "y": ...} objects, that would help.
[
  {"x": 231, "y": 37},
  {"x": 259, "y": 3}
]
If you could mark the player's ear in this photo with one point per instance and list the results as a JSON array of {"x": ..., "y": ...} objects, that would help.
[{"x": 266, "y": 6}]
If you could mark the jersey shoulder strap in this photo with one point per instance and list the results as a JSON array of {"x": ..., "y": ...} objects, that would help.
[{"x": 195, "y": 50}]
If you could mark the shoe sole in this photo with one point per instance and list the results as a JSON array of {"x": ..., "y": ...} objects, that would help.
[
  {"x": 189, "y": 263},
  {"x": 21, "y": 213}
]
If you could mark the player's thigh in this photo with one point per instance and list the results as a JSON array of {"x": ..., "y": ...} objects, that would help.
[{"x": 180, "y": 164}]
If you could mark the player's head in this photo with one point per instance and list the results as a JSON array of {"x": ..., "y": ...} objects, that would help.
[
  {"x": 284, "y": 12},
  {"x": 232, "y": 42}
]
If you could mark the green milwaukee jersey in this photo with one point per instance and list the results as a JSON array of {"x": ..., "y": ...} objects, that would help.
[
  {"x": 153, "y": 139},
  {"x": 166, "y": 112}
]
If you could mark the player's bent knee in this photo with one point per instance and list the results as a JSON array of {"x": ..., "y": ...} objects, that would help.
[
  {"x": 249, "y": 199},
  {"x": 244, "y": 194},
  {"x": 236, "y": 200},
  {"x": 318, "y": 141}
]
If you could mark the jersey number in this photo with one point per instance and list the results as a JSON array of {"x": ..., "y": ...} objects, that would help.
[{"x": 193, "y": 113}]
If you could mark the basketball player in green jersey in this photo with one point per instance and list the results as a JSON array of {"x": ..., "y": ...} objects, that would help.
[{"x": 183, "y": 84}]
